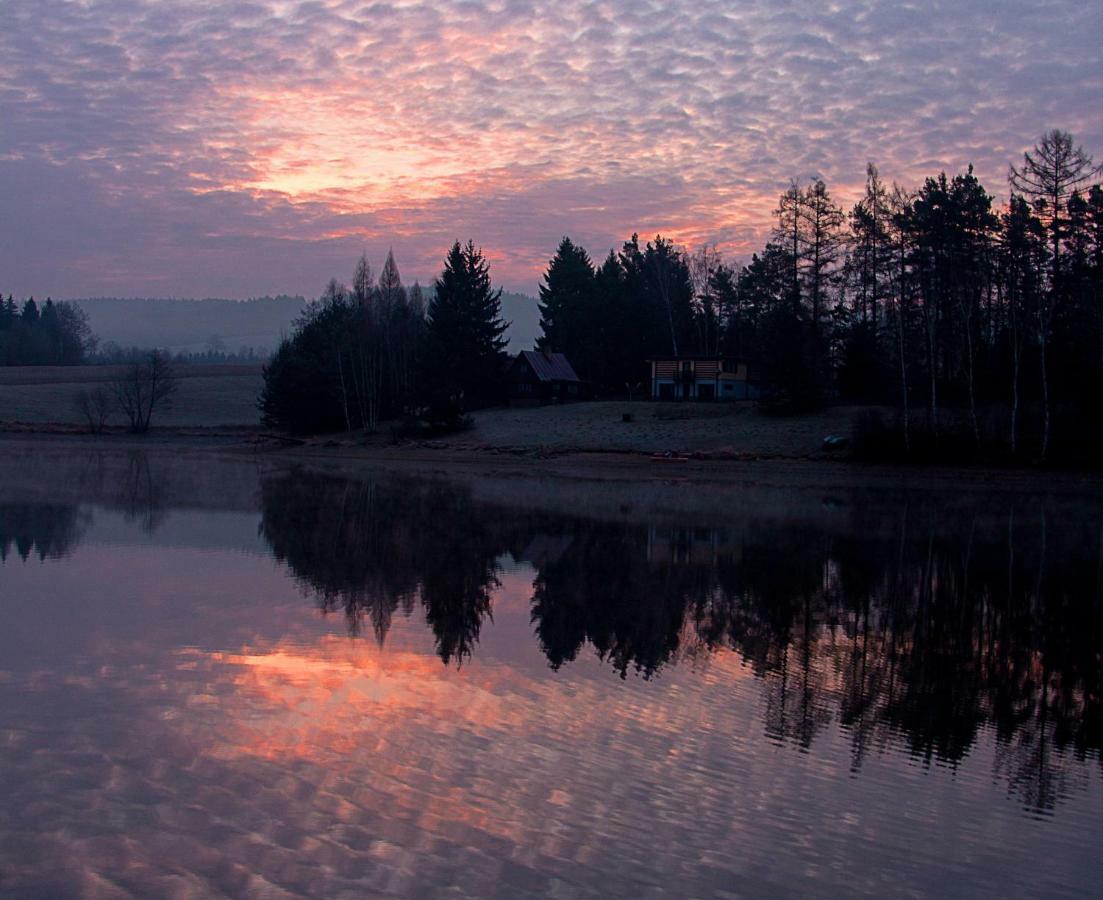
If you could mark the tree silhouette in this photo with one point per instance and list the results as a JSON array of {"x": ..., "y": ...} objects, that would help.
[{"x": 464, "y": 347}]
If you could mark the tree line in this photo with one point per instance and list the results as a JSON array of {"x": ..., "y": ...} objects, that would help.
[
  {"x": 376, "y": 351},
  {"x": 110, "y": 353},
  {"x": 57, "y": 334},
  {"x": 982, "y": 326}
]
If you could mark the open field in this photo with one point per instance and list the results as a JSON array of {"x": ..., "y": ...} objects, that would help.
[
  {"x": 207, "y": 395},
  {"x": 220, "y": 396},
  {"x": 656, "y": 427},
  {"x": 214, "y": 396}
]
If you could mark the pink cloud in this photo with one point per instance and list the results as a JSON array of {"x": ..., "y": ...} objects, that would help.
[{"x": 240, "y": 149}]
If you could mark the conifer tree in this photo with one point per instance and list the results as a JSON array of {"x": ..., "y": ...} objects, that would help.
[
  {"x": 567, "y": 305},
  {"x": 464, "y": 344},
  {"x": 391, "y": 291}
]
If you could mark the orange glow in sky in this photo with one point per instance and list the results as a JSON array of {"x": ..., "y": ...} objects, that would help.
[{"x": 275, "y": 141}]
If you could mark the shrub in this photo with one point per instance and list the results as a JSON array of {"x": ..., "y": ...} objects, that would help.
[{"x": 94, "y": 406}]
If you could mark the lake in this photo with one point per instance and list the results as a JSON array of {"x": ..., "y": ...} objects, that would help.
[{"x": 232, "y": 677}]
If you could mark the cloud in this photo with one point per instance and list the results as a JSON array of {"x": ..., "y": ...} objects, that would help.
[{"x": 244, "y": 148}]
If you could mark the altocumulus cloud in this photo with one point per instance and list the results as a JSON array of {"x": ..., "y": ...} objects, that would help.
[{"x": 232, "y": 148}]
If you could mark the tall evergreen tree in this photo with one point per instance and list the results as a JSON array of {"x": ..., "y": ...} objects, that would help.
[
  {"x": 391, "y": 291},
  {"x": 567, "y": 306},
  {"x": 870, "y": 260},
  {"x": 464, "y": 344},
  {"x": 1022, "y": 260},
  {"x": 616, "y": 366},
  {"x": 822, "y": 227}
]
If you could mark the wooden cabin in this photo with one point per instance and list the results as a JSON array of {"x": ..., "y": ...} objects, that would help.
[
  {"x": 540, "y": 376},
  {"x": 701, "y": 378}
]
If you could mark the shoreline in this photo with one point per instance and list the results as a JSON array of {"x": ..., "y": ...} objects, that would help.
[{"x": 444, "y": 459}]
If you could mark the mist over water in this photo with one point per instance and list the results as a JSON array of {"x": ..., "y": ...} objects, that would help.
[{"x": 219, "y": 676}]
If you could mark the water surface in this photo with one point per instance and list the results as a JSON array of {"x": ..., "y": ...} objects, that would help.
[{"x": 218, "y": 677}]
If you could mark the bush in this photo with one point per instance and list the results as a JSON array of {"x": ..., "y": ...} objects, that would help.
[
  {"x": 413, "y": 427},
  {"x": 143, "y": 387},
  {"x": 94, "y": 405}
]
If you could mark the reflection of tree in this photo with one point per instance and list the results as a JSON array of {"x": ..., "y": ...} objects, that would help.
[
  {"x": 49, "y": 530},
  {"x": 349, "y": 541},
  {"x": 460, "y": 549},
  {"x": 134, "y": 483},
  {"x": 372, "y": 549},
  {"x": 604, "y": 590},
  {"x": 906, "y": 623},
  {"x": 141, "y": 493},
  {"x": 927, "y": 628}
]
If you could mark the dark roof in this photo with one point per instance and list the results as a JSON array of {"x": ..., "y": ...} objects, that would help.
[{"x": 549, "y": 366}]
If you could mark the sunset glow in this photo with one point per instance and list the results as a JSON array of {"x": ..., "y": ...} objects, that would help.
[{"x": 224, "y": 149}]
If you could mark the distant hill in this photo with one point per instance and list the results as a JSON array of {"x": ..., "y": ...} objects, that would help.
[
  {"x": 194, "y": 326},
  {"x": 523, "y": 314}
]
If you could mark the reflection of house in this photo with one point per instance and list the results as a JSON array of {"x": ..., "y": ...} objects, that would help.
[
  {"x": 540, "y": 376},
  {"x": 670, "y": 545},
  {"x": 701, "y": 378}
]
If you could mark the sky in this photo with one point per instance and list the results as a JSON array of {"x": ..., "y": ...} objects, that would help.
[{"x": 199, "y": 148}]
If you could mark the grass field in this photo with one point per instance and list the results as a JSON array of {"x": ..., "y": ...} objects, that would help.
[
  {"x": 207, "y": 395},
  {"x": 657, "y": 427},
  {"x": 213, "y": 396}
]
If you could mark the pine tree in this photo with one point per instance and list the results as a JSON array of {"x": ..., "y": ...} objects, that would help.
[
  {"x": 391, "y": 291},
  {"x": 567, "y": 305},
  {"x": 822, "y": 225},
  {"x": 464, "y": 347},
  {"x": 1022, "y": 263}
]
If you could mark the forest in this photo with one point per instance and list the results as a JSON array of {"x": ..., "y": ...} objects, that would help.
[
  {"x": 967, "y": 329},
  {"x": 55, "y": 335},
  {"x": 973, "y": 331},
  {"x": 981, "y": 326}
]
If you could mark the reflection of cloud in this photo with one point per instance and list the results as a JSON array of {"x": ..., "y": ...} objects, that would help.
[
  {"x": 273, "y": 139},
  {"x": 144, "y": 761},
  {"x": 308, "y": 701},
  {"x": 458, "y": 750}
]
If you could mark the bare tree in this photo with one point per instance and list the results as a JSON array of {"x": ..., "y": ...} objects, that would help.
[
  {"x": 1048, "y": 177},
  {"x": 362, "y": 281},
  {"x": 94, "y": 406},
  {"x": 143, "y": 387},
  {"x": 899, "y": 201},
  {"x": 787, "y": 233},
  {"x": 703, "y": 263}
]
